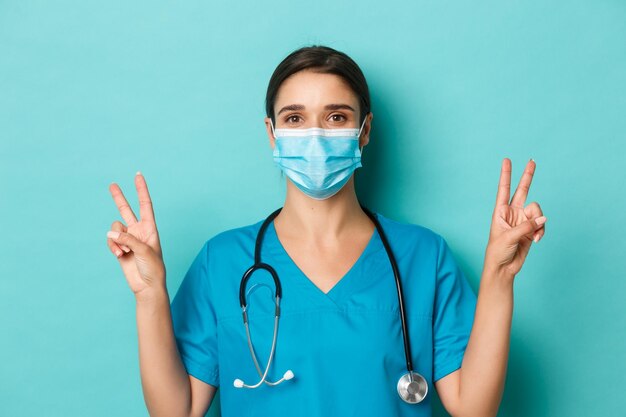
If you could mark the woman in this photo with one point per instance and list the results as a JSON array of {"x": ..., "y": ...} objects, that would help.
[{"x": 340, "y": 347}]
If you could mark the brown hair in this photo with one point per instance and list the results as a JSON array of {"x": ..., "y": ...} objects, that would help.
[{"x": 324, "y": 60}]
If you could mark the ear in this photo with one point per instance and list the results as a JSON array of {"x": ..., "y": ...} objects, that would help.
[
  {"x": 365, "y": 133},
  {"x": 270, "y": 135}
]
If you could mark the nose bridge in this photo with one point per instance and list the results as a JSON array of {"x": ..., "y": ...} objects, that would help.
[
  {"x": 314, "y": 119},
  {"x": 318, "y": 121}
]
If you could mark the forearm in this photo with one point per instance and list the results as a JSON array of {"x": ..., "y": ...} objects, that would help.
[
  {"x": 483, "y": 370},
  {"x": 165, "y": 382}
]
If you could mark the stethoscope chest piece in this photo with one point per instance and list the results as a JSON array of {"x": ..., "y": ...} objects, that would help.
[{"x": 412, "y": 388}]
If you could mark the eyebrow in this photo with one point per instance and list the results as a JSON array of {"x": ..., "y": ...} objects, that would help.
[{"x": 293, "y": 107}]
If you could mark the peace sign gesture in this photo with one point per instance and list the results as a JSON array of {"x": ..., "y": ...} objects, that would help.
[
  {"x": 136, "y": 244},
  {"x": 513, "y": 226}
]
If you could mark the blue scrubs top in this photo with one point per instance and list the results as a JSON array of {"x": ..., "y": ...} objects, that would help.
[{"x": 344, "y": 347}]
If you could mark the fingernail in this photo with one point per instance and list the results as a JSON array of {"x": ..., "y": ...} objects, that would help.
[
  {"x": 118, "y": 253},
  {"x": 113, "y": 235},
  {"x": 125, "y": 249},
  {"x": 540, "y": 220},
  {"x": 138, "y": 173},
  {"x": 536, "y": 239}
]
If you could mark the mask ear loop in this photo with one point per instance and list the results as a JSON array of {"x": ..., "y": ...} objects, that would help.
[
  {"x": 359, "y": 135},
  {"x": 272, "y": 126}
]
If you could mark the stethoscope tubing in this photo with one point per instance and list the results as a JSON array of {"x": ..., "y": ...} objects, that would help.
[
  {"x": 396, "y": 274},
  {"x": 405, "y": 382}
]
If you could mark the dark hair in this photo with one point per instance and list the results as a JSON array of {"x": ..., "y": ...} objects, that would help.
[{"x": 324, "y": 60}]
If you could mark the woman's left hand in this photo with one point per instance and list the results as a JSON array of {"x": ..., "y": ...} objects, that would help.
[{"x": 513, "y": 226}]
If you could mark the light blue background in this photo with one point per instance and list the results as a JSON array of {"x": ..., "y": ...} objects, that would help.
[{"x": 91, "y": 92}]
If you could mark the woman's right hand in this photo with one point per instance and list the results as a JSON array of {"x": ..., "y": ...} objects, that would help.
[{"x": 136, "y": 244}]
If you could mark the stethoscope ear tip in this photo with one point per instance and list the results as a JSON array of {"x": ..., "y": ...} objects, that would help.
[
  {"x": 238, "y": 383},
  {"x": 288, "y": 375}
]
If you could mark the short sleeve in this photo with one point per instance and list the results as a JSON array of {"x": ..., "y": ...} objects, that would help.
[
  {"x": 194, "y": 321},
  {"x": 453, "y": 316}
]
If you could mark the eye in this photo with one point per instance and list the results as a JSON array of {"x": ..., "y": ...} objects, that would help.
[
  {"x": 294, "y": 118},
  {"x": 338, "y": 117}
]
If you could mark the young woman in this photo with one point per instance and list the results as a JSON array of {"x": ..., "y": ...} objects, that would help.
[{"x": 373, "y": 313}]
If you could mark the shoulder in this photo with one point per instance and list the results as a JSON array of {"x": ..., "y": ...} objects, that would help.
[
  {"x": 234, "y": 238},
  {"x": 409, "y": 232},
  {"x": 413, "y": 241}
]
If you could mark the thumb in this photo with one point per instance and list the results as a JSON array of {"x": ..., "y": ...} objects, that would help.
[
  {"x": 129, "y": 240},
  {"x": 526, "y": 228}
]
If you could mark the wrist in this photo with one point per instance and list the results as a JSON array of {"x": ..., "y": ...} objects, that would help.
[
  {"x": 497, "y": 277},
  {"x": 151, "y": 296}
]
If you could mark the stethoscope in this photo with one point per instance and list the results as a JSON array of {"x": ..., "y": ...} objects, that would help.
[{"x": 412, "y": 387}]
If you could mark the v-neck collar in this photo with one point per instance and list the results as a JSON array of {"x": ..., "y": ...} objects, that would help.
[{"x": 349, "y": 282}]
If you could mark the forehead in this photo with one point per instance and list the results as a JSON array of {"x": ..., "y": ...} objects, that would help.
[{"x": 313, "y": 88}]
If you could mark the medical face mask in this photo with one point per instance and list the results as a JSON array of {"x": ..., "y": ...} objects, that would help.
[{"x": 318, "y": 161}]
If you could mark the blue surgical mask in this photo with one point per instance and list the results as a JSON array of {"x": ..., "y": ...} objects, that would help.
[{"x": 318, "y": 161}]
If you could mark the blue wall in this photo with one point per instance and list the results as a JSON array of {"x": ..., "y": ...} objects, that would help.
[{"x": 91, "y": 92}]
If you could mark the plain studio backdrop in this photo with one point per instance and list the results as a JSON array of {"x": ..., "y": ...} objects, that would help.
[{"x": 92, "y": 91}]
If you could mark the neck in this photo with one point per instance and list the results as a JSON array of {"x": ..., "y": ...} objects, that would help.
[{"x": 321, "y": 220}]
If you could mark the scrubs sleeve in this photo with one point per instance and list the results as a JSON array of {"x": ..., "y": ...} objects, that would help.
[
  {"x": 453, "y": 315},
  {"x": 194, "y": 321}
]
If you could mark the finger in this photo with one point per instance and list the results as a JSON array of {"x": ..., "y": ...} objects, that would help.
[
  {"x": 519, "y": 198},
  {"x": 114, "y": 247},
  {"x": 122, "y": 204},
  {"x": 146, "y": 210},
  {"x": 504, "y": 186},
  {"x": 117, "y": 249},
  {"x": 129, "y": 240},
  {"x": 539, "y": 233},
  {"x": 533, "y": 210},
  {"x": 119, "y": 227},
  {"x": 527, "y": 228}
]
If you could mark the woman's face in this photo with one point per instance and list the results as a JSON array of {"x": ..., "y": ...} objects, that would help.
[{"x": 310, "y": 99}]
